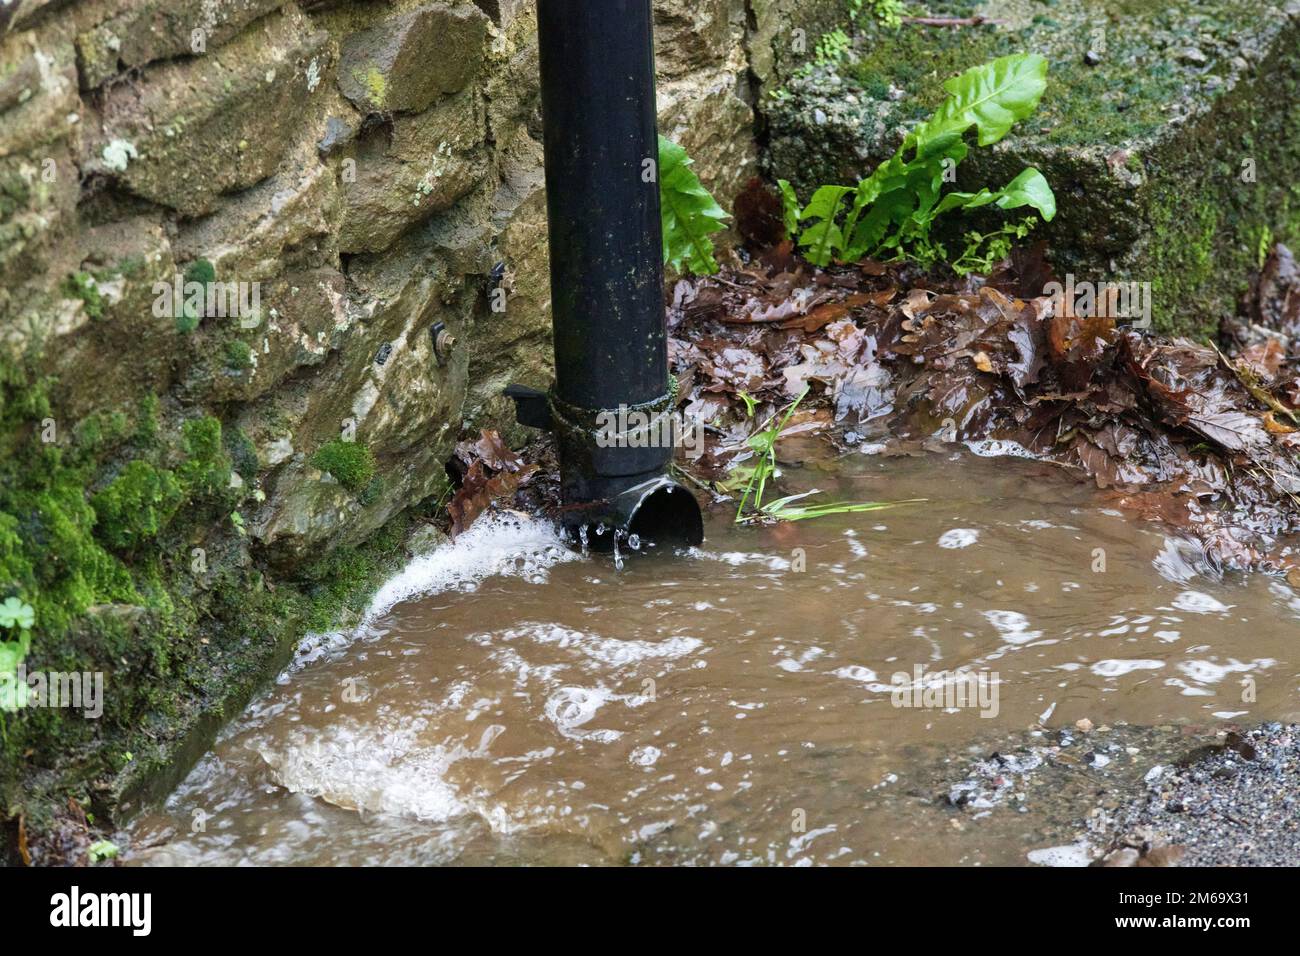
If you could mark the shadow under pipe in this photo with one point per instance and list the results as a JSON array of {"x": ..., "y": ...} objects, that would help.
[{"x": 610, "y": 407}]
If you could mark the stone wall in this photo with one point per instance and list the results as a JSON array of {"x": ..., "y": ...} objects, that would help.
[{"x": 372, "y": 169}]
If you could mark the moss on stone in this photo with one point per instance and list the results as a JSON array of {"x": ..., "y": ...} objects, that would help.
[
  {"x": 81, "y": 285},
  {"x": 206, "y": 470},
  {"x": 183, "y": 644},
  {"x": 346, "y": 578},
  {"x": 243, "y": 454},
  {"x": 146, "y": 428},
  {"x": 49, "y": 556},
  {"x": 137, "y": 505},
  {"x": 201, "y": 270},
  {"x": 239, "y": 355},
  {"x": 351, "y": 463}
]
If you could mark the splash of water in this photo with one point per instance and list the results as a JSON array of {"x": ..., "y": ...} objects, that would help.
[{"x": 508, "y": 545}]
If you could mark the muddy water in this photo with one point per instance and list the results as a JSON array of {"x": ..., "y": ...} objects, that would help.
[{"x": 510, "y": 702}]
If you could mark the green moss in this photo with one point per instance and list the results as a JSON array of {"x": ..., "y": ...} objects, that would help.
[
  {"x": 1123, "y": 96},
  {"x": 146, "y": 428},
  {"x": 100, "y": 432},
  {"x": 49, "y": 555},
  {"x": 200, "y": 270},
  {"x": 137, "y": 505},
  {"x": 184, "y": 646},
  {"x": 243, "y": 454},
  {"x": 346, "y": 578},
  {"x": 372, "y": 491},
  {"x": 239, "y": 355},
  {"x": 15, "y": 193},
  {"x": 81, "y": 285},
  {"x": 206, "y": 470},
  {"x": 130, "y": 267},
  {"x": 351, "y": 463},
  {"x": 187, "y": 317}
]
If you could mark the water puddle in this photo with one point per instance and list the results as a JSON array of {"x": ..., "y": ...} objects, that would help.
[{"x": 508, "y": 701}]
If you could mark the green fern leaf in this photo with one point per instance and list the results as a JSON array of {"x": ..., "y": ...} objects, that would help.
[{"x": 688, "y": 212}]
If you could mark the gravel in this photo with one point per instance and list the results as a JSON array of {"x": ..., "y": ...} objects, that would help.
[{"x": 1232, "y": 804}]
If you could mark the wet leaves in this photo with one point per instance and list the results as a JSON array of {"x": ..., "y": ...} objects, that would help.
[
  {"x": 1276, "y": 299},
  {"x": 490, "y": 475},
  {"x": 1177, "y": 431}
]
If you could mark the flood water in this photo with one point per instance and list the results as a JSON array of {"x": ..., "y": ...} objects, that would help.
[{"x": 509, "y": 701}]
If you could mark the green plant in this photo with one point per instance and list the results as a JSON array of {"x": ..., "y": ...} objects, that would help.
[
  {"x": 763, "y": 443},
  {"x": 351, "y": 463},
  {"x": 985, "y": 250},
  {"x": 890, "y": 213},
  {"x": 372, "y": 491},
  {"x": 102, "y": 850},
  {"x": 689, "y": 214},
  {"x": 146, "y": 428},
  {"x": 18, "y": 615},
  {"x": 888, "y": 12},
  {"x": 831, "y": 47}
]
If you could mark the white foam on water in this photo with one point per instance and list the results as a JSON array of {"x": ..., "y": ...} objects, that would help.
[
  {"x": 958, "y": 538},
  {"x": 570, "y": 708},
  {"x": 644, "y": 756},
  {"x": 864, "y": 676},
  {"x": 1198, "y": 602},
  {"x": 1013, "y": 626},
  {"x": 738, "y": 559},
  {"x": 999, "y": 448},
  {"x": 369, "y": 773},
  {"x": 373, "y": 770},
  {"x": 496, "y": 545},
  {"x": 1212, "y": 672},
  {"x": 1117, "y": 668},
  {"x": 610, "y": 651}
]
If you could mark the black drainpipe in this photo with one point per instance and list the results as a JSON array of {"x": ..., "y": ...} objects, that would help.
[{"x": 607, "y": 278}]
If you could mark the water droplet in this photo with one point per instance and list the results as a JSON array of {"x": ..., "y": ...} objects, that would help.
[{"x": 634, "y": 542}]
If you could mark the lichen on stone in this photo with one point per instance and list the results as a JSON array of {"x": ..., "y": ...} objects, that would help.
[{"x": 118, "y": 154}]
